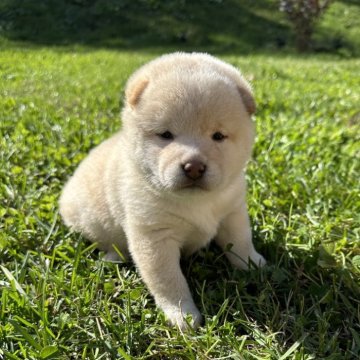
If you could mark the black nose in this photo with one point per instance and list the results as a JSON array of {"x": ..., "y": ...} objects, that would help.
[{"x": 194, "y": 169}]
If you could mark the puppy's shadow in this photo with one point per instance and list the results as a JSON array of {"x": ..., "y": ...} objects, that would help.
[
  {"x": 300, "y": 295},
  {"x": 214, "y": 281}
]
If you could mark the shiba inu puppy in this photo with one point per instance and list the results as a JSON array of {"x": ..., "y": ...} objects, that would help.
[{"x": 173, "y": 178}]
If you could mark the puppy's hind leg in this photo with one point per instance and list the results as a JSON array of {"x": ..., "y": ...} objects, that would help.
[{"x": 79, "y": 212}]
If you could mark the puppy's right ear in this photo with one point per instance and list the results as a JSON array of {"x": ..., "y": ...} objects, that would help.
[{"x": 134, "y": 91}]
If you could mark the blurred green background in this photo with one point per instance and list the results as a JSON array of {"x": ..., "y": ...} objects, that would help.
[{"x": 223, "y": 26}]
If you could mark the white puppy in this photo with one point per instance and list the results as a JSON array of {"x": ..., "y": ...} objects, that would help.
[{"x": 173, "y": 178}]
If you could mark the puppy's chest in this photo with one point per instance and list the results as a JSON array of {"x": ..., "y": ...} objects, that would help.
[{"x": 201, "y": 226}]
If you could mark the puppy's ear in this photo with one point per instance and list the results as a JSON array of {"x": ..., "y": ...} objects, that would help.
[
  {"x": 248, "y": 99},
  {"x": 133, "y": 93}
]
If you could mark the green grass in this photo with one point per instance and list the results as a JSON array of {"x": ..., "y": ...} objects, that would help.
[
  {"x": 63, "y": 67},
  {"x": 58, "y": 300}
]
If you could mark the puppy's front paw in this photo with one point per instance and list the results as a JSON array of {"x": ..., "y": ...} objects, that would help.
[
  {"x": 245, "y": 262},
  {"x": 257, "y": 259},
  {"x": 184, "y": 315}
]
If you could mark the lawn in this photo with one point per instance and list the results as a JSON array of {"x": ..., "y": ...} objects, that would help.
[
  {"x": 58, "y": 300},
  {"x": 304, "y": 204}
]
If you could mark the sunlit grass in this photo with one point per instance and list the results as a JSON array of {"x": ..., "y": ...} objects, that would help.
[{"x": 58, "y": 300}]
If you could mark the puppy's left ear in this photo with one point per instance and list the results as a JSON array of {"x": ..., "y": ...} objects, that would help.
[
  {"x": 248, "y": 99},
  {"x": 134, "y": 91}
]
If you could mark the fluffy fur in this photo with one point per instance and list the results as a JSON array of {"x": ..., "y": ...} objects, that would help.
[{"x": 135, "y": 190}]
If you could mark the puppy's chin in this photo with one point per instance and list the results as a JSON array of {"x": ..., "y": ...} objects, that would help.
[
  {"x": 194, "y": 186},
  {"x": 189, "y": 186}
]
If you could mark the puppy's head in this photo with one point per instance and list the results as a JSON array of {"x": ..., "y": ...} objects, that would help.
[{"x": 188, "y": 119}]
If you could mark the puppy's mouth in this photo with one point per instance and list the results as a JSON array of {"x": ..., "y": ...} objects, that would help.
[{"x": 193, "y": 185}]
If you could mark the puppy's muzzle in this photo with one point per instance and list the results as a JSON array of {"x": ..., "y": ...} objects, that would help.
[{"x": 194, "y": 169}]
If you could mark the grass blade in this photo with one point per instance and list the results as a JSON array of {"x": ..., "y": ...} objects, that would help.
[
  {"x": 26, "y": 335},
  {"x": 293, "y": 347},
  {"x": 13, "y": 281}
]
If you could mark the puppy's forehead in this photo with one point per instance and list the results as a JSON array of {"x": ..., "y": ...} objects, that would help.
[{"x": 193, "y": 96}]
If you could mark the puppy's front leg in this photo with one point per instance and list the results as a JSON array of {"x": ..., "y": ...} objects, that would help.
[
  {"x": 235, "y": 230},
  {"x": 157, "y": 257}
]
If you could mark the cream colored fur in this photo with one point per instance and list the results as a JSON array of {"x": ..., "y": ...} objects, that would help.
[{"x": 131, "y": 191}]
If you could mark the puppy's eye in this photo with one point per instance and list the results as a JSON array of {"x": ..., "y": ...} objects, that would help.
[
  {"x": 167, "y": 135},
  {"x": 218, "y": 136}
]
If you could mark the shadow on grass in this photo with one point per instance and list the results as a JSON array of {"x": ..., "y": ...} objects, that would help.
[{"x": 300, "y": 297}]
